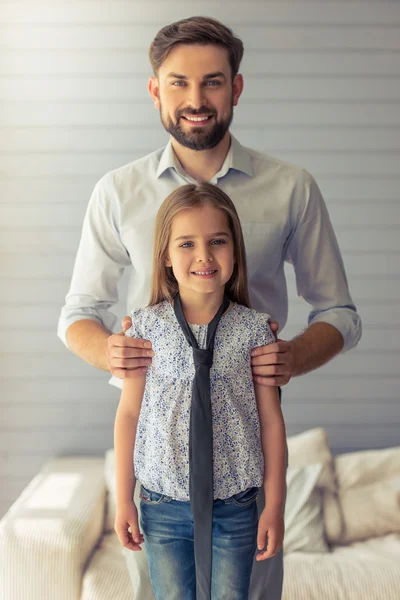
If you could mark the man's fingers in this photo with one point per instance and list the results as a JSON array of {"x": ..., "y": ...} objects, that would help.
[
  {"x": 127, "y": 363},
  {"x": 129, "y": 352},
  {"x": 119, "y": 340},
  {"x": 277, "y": 348},
  {"x": 126, "y": 323},
  {"x": 270, "y": 371},
  {"x": 274, "y": 325},
  {"x": 274, "y": 358}
]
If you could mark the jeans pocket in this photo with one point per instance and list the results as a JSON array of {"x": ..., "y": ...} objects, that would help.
[
  {"x": 245, "y": 498},
  {"x": 149, "y": 497}
]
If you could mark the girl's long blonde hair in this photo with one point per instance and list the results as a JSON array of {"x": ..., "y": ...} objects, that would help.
[{"x": 164, "y": 286}]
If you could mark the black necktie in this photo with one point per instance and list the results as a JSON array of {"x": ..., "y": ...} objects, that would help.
[{"x": 201, "y": 486}]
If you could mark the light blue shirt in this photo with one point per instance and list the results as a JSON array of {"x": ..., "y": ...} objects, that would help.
[{"x": 283, "y": 215}]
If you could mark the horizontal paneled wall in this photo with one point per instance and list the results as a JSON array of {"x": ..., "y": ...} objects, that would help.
[{"x": 322, "y": 90}]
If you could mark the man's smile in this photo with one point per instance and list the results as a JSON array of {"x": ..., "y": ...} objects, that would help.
[{"x": 197, "y": 120}]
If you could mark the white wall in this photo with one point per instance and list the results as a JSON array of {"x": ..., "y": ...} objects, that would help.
[{"x": 322, "y": 90}]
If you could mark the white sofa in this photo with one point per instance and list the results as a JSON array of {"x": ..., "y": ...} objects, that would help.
[{"x": 342, "y": 537}]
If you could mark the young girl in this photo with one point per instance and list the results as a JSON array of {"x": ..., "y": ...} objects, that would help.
[{"x": 202, "y": 436}]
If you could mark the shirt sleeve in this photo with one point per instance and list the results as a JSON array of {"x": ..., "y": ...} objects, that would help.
[
  {"x": 100, "y": 261},
  {"x": 262, "y": 334},
  {"x": 321, "y": 279}
]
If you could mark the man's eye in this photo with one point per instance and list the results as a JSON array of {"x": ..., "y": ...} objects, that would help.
[
  {"x": 178, "y": 83},
  {"x": 214, "y": 82}
]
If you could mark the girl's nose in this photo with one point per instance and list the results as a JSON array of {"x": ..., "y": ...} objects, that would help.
[{"x": 205, "y": 257}]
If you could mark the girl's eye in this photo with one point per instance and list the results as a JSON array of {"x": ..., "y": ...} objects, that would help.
[{"x": 213, "y": 242}]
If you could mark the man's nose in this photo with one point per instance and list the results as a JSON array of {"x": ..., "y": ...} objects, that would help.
[{"x": 196, "y": 97}]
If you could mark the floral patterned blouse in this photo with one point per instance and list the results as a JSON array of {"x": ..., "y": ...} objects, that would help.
[{"x": 161, "y": 454}]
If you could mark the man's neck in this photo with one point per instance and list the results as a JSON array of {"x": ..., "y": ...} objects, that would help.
[{"x": 202, "y": 165}]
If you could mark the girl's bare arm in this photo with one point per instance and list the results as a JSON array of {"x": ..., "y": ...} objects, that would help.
[
  {"x": 125, "y": 426},
  {"x": 273, "y": 438}
]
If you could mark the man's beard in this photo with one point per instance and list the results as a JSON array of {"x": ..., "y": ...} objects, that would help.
[{"x": 200, "y": 138}]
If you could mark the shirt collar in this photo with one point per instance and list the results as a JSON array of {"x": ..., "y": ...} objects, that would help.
[{"x": 238, "y": 158}]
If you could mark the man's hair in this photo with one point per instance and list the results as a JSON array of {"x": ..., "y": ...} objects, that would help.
[
  {"x": 196, "y": 30},
  {"x": 164, "y": 286}
]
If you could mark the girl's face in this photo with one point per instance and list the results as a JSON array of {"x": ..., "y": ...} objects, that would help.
[{"x": 201, "y": 250}]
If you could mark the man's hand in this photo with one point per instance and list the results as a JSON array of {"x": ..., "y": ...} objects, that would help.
[
  {"x": 128, "y": 357},
  {"x": 273, "y": 364}
]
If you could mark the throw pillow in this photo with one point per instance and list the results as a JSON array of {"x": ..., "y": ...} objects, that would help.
[
  {"x": 369, "y": 493},
  {"x": 310, "y": 447},
  {"x": 304, "y": 525}
]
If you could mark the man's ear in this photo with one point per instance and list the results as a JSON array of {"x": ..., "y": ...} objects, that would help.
[
  {"x": 154, "y": 91},
  {"x": 237, "y": 88}
]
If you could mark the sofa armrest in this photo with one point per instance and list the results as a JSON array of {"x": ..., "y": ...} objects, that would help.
[{"x": 50, "y": 531}]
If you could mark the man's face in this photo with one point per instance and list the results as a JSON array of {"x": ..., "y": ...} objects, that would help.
[{"x": 195, "y": 95}]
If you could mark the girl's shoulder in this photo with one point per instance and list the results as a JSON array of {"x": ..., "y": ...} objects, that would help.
[
  {"x": 155, "y": 310},
  {"x": 245, "y": 313},
  {"x": 144, "y": 319},
  {"x": 255, "y": 323}
]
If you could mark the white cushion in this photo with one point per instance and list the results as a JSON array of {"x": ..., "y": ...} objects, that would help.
[
  {"x": 304, "y": 527},
  {"x": 367, "y": 570},
  {"x": 48, "y": 534},
  {"x": 311, "y": 447},
  {"x": 357, "y": 469},
  {"x": 369, "y": 494},
  {"x": 107, "y": 576}
]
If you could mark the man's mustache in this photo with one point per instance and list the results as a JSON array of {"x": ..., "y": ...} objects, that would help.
[{"x": 194, "y": 112}]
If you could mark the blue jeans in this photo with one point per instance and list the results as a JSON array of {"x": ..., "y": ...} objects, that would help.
[{"x": 167, "y": 526}]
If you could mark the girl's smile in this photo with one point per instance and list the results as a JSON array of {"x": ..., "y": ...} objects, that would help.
[
  {"x": 201, "y": 251},
  {"x": 204, "y": 274}
]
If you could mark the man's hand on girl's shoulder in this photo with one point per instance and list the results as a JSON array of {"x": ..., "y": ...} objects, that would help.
[
  {"x": 273, "y": 365},
  {"x": 128, "y": 357}
]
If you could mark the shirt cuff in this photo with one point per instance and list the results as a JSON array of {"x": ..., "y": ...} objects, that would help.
[
  {"x": 346, "y": 321},
  {"x": 116, "y": 382}
]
